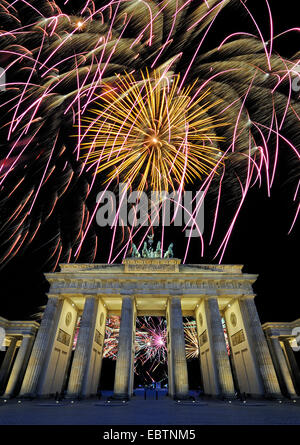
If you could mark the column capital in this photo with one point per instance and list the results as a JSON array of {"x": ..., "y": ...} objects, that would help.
[
  {"x": 102, "y": 301},
  {"x": 127, "y": 295},
  {"x": 67, "y": 298},
  {"x": 11, "y": 336},
  {"x": 54, "y": 296},
  {"x": 174, "y": 295},
  {"x": 210, "y": 297},
  {"x": 247, "y": 297},
  {"x": 273, "y": 335}
]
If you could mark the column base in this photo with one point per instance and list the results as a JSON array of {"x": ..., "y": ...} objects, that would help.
[
  {"x": 274, "y": 396},
  {"x": 80, "y": 397},
  {"x": 73, "y": 397},
  {"x": 182, "y": 397},
  {"x": 225, "y": 396},
  {"x": 120, "y": 397},
  {"x": 31, "y": 396},
  {"x": 44, "y": 396},
  {"x": 6, "y": 396},
  {"x": 28, "y": 396},
  {"x": 220, "y": 396}
]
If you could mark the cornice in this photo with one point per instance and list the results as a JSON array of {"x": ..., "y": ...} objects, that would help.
[{"x": 123, "y": 284}]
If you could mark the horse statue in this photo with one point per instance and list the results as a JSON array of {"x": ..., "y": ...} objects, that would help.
[
  {"x": 157, "y": 253},
  {"x": 135, "y": 253},
  {"x": 145, "y": 252},
  {"x": 169, "y": 253}
]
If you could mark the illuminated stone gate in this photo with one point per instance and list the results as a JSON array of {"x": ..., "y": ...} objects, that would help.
[
  {"x": 156, "y": 287},
  {"x": 17, "y": 338}
]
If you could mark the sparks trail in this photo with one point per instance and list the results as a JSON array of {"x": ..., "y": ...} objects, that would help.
[{"x": 145, "y": 68}]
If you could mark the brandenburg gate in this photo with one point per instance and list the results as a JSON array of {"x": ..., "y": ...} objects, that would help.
[{"x": 157, "y": 287}]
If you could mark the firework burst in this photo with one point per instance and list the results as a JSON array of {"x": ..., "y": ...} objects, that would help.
[
  {"x": 151, "y": 343},
  {"x": 191, "y": 339},
  {"x": 59, "y": 60},
  {"x": 151, "y": 132},
  {"x": 111, "y": 340},
  {"x": 151, "y": 353}
]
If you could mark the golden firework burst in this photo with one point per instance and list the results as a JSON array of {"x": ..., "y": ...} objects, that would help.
[
  {"x": 147, "y": 133},
  {"x": 191, "y": 340}
]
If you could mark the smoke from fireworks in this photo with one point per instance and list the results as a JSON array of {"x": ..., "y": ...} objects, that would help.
[{"x": 59, "y": 59}]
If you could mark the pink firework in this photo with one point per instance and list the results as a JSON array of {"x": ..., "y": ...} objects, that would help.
[
  {"x": 151, "y": 342},
  {"x": 57, "y": 62}
]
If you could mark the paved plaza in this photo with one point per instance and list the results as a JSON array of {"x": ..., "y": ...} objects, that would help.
[{"x": 138, "y": 411}]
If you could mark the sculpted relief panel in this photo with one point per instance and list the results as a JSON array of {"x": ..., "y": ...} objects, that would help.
[{"x": 243, "y": 285}]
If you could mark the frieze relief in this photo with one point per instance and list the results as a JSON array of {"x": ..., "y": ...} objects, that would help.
[
  {"x": 63, "y": 337},
  {"x": 152, "y": 268},
  {"x": 151, "y": 284}
]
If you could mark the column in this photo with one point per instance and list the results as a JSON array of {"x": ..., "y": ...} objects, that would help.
[
  {"x": 231, "y": 359},
  {"x": 170, "y": 365},
  {"x": 19, "y": 367},
  {"x": 293, "y": 366},
  {"x": 219, "y": 354},
  {"x": 68, "y": 367},
  {"x": 281, "y": 366},
  {"x": 78, "y": 381},
  {"x": 124, "y": 365},
  {"x": 258, "y": 344},
  {"x": 133, "y": 353},
  {"x": 41, "y": 349},
  {"x": 6, "y": 364},
  {"x": 199, "y": 326},
  {"x": 179, "y": 387}
]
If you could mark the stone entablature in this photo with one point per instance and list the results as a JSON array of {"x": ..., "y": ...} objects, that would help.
[
  {"x": 19, "y": 328},
  {"x": 18, "y": 342},
  {"x": 223, "y": 268},
  {"x": 183, "y": 268},
  {"x": 140, "y": 274},
  {"x": 284, "y": 340},
  {"x": 277, "y": 329},
  {"x": 189, "y": 286}
]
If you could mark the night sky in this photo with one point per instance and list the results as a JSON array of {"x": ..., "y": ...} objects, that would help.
[{"x": 260, "y": 239}]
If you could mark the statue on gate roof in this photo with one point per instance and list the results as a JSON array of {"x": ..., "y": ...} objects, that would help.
[
  {"x": 135, "y": 253},
  {"x": 169, "y": 253},
  {"x": 148, "y": 252}
]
